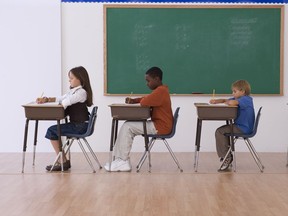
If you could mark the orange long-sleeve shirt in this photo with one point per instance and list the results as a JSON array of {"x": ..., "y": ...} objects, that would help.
[{"x": 160, "y": 102}]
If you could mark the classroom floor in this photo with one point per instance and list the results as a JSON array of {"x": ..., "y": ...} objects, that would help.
[{"x": 164, "y": 191}]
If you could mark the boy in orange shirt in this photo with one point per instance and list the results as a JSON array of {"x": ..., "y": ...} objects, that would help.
[{"x": 161, "y": 120}]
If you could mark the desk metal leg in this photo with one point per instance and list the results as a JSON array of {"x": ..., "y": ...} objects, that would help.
[
  {"x": 112, "y": 140},
  {"x": 25, "y": 144},
  {"x": 35, "y": 141},
  {"x": 232, "y": 144},
  {"x": 197, "y": 143},
  {"x": 147, "y": 144}
]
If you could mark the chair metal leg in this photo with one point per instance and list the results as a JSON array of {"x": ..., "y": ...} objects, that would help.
[
  {"x": 60, "y": 155},
  {"x": 144, "y": 156},
  {"x": 234, "y": 160},
  {"x": 229, "y": 152},
  {"x": 92, "y": 153},
  {"x": 254, "y": 154},
  {"x": 86, "y": 156},
  {"x": 232, "y": 144},
  {"x": 173, "y": 155}
]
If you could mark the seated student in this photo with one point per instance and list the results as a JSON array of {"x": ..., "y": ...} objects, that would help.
[
  {"x": 75, "y": 103},
  {"x": 244, "y": 122},
  {"x": 161, "y": 120}
]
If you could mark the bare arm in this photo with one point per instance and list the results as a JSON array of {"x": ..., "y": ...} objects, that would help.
[{"x": 217, "y": 101}]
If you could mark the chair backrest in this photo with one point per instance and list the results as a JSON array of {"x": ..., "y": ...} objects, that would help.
[
  {"x": 256, "y": 123},
  {"x": 175, "y": 120},
  {"x": 245, "y": 136},
  {"x": 171, "y": 134},
  {"x": 91, "y": 122}
]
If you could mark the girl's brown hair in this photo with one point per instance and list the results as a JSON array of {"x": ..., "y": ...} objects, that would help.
[
  {"x": 82, "y": 74},
  {"x": 242, "y": 85}
]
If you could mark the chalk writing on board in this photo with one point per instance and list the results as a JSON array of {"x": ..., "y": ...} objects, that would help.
[
  {"x": 141, "y": 38},
  {"x": 242, "y": 31},
  {"x": 182, "y": 37}
]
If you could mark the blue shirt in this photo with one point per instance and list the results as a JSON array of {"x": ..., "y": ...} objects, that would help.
[{"x": 245, "y": 116}]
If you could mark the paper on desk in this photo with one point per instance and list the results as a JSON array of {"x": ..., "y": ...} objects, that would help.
[
  {"x": 43, "y": 104},
  {"x": 207, "y": 104},
  {"x": 219, "y": 104},
  {"x": 124, "y": 104}
]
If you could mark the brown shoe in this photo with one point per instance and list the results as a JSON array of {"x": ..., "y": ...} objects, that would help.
[{"x": 57, "y": 167}]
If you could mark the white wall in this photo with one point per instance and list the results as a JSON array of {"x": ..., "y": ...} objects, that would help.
[
  {"x": 82, "y": 39},
  {"x": 30, "y": 59},
  {"x": 32, "y": 63}
]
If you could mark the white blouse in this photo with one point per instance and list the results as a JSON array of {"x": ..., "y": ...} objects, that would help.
[{"x": 75, "y": 95}]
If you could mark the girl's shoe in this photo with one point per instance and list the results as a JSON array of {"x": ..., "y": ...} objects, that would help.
[{"x": 57, "y": 167}]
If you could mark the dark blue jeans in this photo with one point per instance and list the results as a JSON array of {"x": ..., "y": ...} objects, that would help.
[{"x": 67, "y": 128}]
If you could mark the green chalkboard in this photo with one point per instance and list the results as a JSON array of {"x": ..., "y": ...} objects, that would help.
[{"x": 198, "y": 48}]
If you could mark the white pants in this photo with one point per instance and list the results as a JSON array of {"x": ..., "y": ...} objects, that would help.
[{"x": 128, "y": 131}]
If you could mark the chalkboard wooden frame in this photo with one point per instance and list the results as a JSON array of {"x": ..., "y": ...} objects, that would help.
[{"x": 278, "y": 75}]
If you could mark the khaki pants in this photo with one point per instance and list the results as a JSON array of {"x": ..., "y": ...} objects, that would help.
[
  {"x": 222, "y": 142},
  {"x": 128, "y": 131}
]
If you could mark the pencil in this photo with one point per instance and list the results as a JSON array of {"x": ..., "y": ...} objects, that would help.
[
  {"x": 130, "y": 97},
  {"x": 213, "y": 96}
]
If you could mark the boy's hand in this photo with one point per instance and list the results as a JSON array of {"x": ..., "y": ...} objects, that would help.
[
  {"x": 212, "y": 101},
  {"x": 129, "y": 100}
]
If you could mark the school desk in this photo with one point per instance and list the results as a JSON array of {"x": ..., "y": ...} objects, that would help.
[
  {"x": 215, "y": 112},
  {"x": 129, "y": 112},
  {"x": 46, "y": 111}
]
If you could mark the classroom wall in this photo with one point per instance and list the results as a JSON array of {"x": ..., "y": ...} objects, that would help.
[
  {"x": 30, "y": 59},
  {"x": 42, "y": 39},
  {"x": 82, "y": 44}
]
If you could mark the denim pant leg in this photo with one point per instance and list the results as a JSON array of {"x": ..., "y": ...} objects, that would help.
[{"x": 67, "y": 128}]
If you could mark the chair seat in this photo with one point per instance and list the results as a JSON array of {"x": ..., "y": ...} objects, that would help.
[
  {"x": 240, "y": 135},
  {"x": 160, "y": 136}
]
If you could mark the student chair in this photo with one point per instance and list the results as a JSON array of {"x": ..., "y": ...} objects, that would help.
[
  {"x": 72, "y": 137},
  {"x": 246, "y": 138},
  {"x": 154, "y": 137}
]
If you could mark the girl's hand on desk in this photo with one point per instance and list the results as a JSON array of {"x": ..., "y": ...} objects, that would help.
[{"x": 42, "y": 100}]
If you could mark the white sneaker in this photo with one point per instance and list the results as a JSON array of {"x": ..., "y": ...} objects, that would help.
[{"x": 118, "y": 165}]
